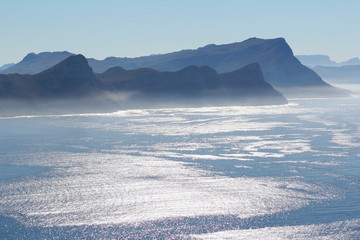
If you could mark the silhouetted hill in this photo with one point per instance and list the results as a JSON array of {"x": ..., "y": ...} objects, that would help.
[
  {"x": 35, "y": 63},
  {"x": 71, "y": 86},
  {"x": 324, "y": 60},
  {"x": 247, "y": 81},
  {"x": 351, "y": 61},
  {"x": 314, "y": 60},
  {"x": 193, "y": 86},
  {"x": 73, "y": 79},
  {"x": 275, "y": 57},
  {"x": 281, "y": 69},
  {"x": 70, "y": 78}
]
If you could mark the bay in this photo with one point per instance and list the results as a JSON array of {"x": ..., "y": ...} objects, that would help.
[{"x": 264, "y": 172}]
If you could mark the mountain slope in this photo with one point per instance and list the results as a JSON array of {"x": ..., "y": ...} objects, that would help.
[
  {"x": 193, "y": 86},
  {"x": 280, "y": 67},
  {"x": 275, "y": 57},
  {"x": 351, "y": 61},
  {"x": 324, "y": 60},
  {"x": 70, "y": 78},
  {"x": 74, "y": 79},
  {"x": 35, "y": 63},
  {"x": 314, "y": 60},
  {"x": 6, "y": 66}
]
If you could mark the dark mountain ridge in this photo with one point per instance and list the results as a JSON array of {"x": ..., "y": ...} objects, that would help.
[
  {"x": 73, "y": 79},
  {"x": 243, "y": 86},
  {"x": 35, "y": 63},
  {"x": 280, "y": 67}
]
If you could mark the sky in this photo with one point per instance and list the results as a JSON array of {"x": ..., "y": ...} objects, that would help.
[{"x": 130, "y": 28}]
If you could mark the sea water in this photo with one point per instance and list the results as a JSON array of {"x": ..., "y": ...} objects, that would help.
[{"x": 263, "y": 172}]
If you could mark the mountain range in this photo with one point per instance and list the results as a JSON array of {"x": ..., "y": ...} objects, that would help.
[
  {"x": 73, "y": 79},
  {"x": 280, "y": 67},
  {"x": 341, "y": 74},
  {"x": 35, "y": 63},
  {"x": 241, "y": 87},
  {"x": 336, "y": 73},
  {"x": 69, "y": 78},
  {"x": 324, "y": 60}
]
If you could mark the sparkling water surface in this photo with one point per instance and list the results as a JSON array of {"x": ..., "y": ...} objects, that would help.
[{"x": 265, "y": 172}]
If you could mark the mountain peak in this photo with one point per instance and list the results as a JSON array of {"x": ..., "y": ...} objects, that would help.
[
  {"x": 34, "y": 63},
  {"x": 71, "y": 76},
  {"x": 255, "y": 40},
  {"x": 325, "y": 61},
  {"x": 209, "y": 46},
  {"x": 76, "y": 59},
  {"x": 73, "y": 64},
  {"x": 351, "y": 61},
  {"x": 29, "y": 57},
  {"x": 251, "y": 75},
  {"x": 193, "y": 85}
]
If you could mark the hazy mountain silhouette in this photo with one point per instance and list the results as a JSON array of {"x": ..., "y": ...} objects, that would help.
[
  {"x": 35, "y": 63},
  {"x": 324, "y": 60},
  {"x": 314, "y": 60},
  {"x": 341, "y": 74},
  {"x": 6, "y": 66},
  {"x": 280, "y": 67},
  {"x": 244, "y": 86},
  {"x": 352, "y": 61},
  {"x": 192, "y": 86},
  {"x": 71, "y": 78}
]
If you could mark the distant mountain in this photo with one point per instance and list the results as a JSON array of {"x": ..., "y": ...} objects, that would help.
[
  {"x": 331, "y": 71},
  {"x": 324, "y": 60},
  {"x": 280, "y": 67},
  {"x": 35, "y": 63},
  {"x": 342, "y": 74},
  {"x": 193, "y": 85},
  {"x": 352, "y": 61},
  {"x": 73, "y": 79},
  {"x": 70, "y": 78},
  {"x": 315, "y": 60},
  {"x": 6, "y": 66}
]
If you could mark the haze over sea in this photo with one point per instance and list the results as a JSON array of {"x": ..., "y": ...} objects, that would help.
[
  {"x": 83, "y": 155},
  {"x": 256, "y": 172}
]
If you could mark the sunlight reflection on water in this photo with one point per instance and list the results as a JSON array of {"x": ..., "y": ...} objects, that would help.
[{"x": 145, "y": 166}]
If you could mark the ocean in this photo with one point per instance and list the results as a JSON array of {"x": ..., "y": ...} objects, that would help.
[{"x": 238, "y": 172}]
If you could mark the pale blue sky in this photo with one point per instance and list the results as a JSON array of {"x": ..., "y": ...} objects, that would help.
[{"x": 128, "y": 28}]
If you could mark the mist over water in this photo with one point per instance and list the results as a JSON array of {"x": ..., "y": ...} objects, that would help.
[{"x": 252, "y": 172}]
